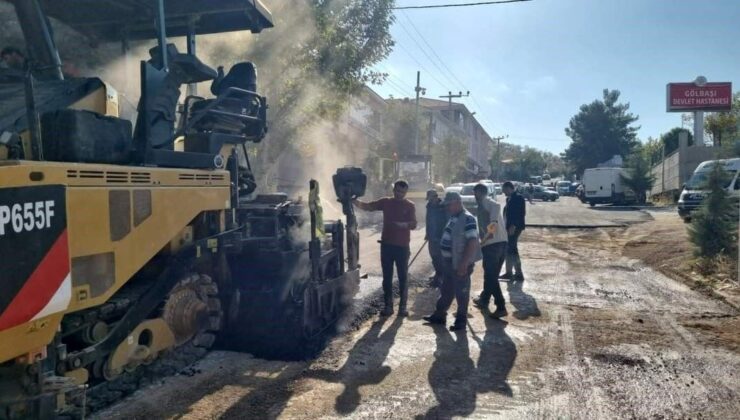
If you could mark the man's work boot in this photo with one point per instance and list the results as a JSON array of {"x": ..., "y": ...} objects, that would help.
[
  {"x": 509, "y": 264},
  {"x": 518, "y": 268},
  {"x": 435, "y": 281},
  {"x": 402, "y": 312},
  {"x": 480, "y": 303},
  {"x": 500, "y": 312},
  {"x": 388, "y": 309},
  {"x": 459, "y": 325},
  {"x": 505, "y": 276},
  {"x": 435, "y": 319}
]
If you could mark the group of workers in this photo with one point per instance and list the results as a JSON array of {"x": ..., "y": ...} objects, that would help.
[{"x": 457, "y": 240}]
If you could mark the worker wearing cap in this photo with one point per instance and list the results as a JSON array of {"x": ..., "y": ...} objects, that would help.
[
  {"x": 436, "y": 219},
  {"x": 493, "y": 237},
  {"x": 399, "y": 219},
  {"x": 460, "y": 248}
]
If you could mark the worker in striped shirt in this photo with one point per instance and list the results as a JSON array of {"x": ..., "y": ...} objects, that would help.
[{"x": 460, "y": 248}]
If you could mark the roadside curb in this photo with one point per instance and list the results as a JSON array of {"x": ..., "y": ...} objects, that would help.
[{"x": 615, "y": 225}]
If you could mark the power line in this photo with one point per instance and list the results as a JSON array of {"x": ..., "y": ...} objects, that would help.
[
  {"x": 514, "y": 136},
  {"x": 398, "y": 86},
  {"x": 479, "y": 3},
  {"x": 423, "y": 67},
  {"x": 413, "y": 26},
  {"x": 423, "y": 50},
  {"x": 442, "y": 62}
]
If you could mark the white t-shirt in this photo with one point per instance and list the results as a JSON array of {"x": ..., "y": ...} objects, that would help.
[{"x": 497, "y": 224}]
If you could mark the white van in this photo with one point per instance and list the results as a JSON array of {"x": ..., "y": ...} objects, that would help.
[
  {"x": 604, "y": 186},
  {"x": 693, "y": 191}
]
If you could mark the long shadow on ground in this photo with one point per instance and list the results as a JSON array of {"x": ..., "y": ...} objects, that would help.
[
  {"x": 525, "y": 305},
  {"x": 364, "y": 366}
]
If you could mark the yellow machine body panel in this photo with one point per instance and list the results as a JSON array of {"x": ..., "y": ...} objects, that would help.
[
  {"x": 103, "y": 101},
  {"x": 115, "y": 219}
]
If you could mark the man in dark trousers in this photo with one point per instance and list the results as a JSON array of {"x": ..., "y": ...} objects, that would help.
[
  {"x": 436, "y": 220},
  {"x": 492, "y": 233},
  {"x": 399, "y": 218},
  {"x": 461, "y": 249},
  {"x": 514, "y": 214}
]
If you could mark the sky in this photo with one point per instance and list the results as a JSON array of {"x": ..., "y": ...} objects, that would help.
[{"x": 529, "y": 66}]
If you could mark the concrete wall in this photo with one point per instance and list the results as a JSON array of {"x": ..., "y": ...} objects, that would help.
[{"x": 679, "y": 166}]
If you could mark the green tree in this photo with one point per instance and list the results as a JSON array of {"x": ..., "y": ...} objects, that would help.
[
  {"x": 554, "y": 164},
  {"x": 639, "y": 177},
  {"x": 600, "y": 130},
  {"x": 399, "y": 128},
  {"x": 317, "y": 56},
  {"x": 524, "y": 162},
  {"x": 713, "y": 228},
  {"x": 448, "y": 158},
  {"x": 652, "y": 149},
  {"x": 724, "y": 127},
  {"x": 670, "y": 139}
]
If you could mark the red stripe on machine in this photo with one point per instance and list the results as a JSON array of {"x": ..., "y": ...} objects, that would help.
[{"x": 40, "y": 286}]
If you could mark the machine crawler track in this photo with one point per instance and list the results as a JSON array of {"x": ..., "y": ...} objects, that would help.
[{"x": 100, "y": 395}]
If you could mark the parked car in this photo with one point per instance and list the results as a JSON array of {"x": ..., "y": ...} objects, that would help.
[
  {"x": 454, "y": 188},
  {"x": 581, "y": 193},
  {"x": 574, "y": 187},
  {"x": 491, "y": 187},
  {"x": 497, "y": 188},
  {"x": 694, "y": 190},
  {"x": 541, "y": 193},
  {"x": 468, "y": 197},
  {"x": 545, "y": 176},
  {"x": 563, "y": 188},
  {"x": 535, "y": 180}
]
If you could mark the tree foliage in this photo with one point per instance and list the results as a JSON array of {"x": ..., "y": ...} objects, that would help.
[
  {"x": 448, "y": 158},
  {"x": 317, "y": 56},
  {"x": 670, "y": 139},
  {"x": 714, "y": 227},
  {"x": 599, "y": 131},
  {"x": 724, "y": 127},
  {"x": 523, "y": 163},
  {"x": 398, "y": 130},
  {"x": 652, "y": 149},
  {"x": 639, "y": 177}
]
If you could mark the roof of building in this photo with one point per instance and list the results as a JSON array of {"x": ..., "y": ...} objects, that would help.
[
  {"x": 369, "y": 94},
  {"x": 439, "y": 104}
]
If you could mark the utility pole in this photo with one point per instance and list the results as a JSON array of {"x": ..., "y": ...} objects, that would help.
[
  {"x": 449, "y": 97},
  {"x": 498, "y": 154},
  {"x": 419, "y": 90}
]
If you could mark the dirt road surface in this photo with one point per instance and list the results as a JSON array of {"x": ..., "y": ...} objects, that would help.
[{"x": 591, "y": 334}]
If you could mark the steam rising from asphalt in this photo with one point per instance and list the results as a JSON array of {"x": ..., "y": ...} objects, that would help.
[{"x": 318, "y": 149}]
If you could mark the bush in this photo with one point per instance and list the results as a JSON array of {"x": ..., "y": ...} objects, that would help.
[
  {"x": 714, "y": 224},
  {"x": 639, "y": 177}
]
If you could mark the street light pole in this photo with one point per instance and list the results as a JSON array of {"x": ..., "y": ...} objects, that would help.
[
  {"x": 498, "y": 155},
  {"x": 419, "y": 90},
  {"x": 449, "y": 97}
]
